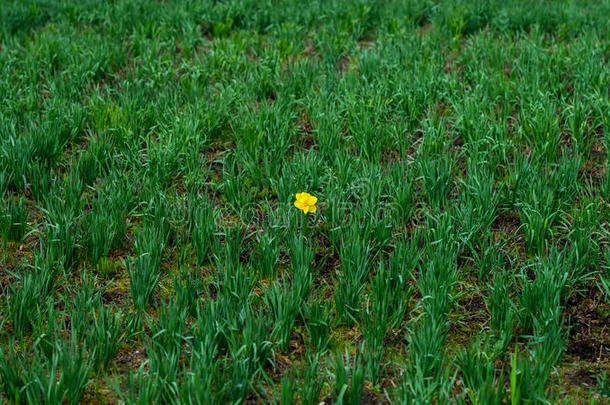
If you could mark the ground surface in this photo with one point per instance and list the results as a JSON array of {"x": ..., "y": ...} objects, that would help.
[{"x": 150, "y": 154}]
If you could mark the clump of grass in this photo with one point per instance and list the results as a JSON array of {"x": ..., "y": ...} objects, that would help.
[
  {"x": 13, "y": 220},
  {"x": 145, "y": 269},
  {"x": 355, "y": 266}
]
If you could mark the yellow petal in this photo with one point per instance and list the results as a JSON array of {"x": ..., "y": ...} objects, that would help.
[
  {"x": 311, "y": 200},
  {"x": 312, "y": 208}
]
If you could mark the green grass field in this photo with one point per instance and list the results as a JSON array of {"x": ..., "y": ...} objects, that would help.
[{"x": 150, "y": 157}]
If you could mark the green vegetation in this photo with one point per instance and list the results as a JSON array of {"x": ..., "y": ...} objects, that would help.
[{"x": 150, "y": 154}]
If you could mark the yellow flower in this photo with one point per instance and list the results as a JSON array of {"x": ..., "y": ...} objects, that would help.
[{"x": 306, "y": 202}]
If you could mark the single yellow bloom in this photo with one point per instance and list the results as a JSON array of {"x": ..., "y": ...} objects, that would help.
[{"x": 306, "y": 202}]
